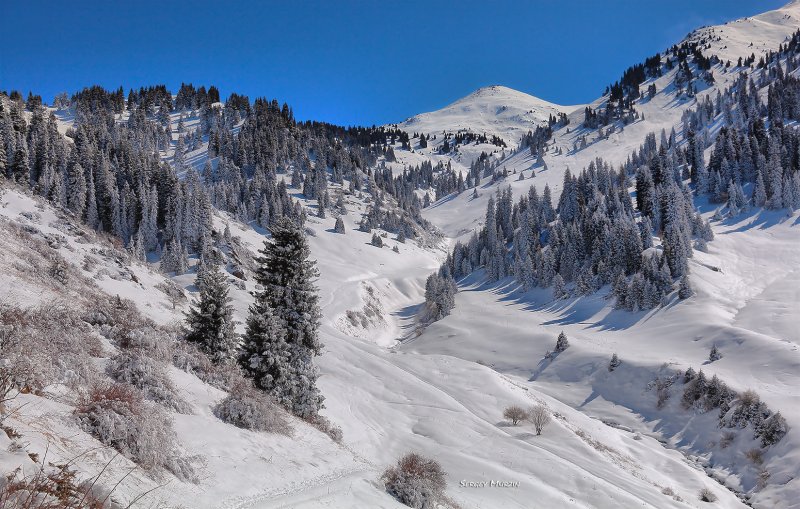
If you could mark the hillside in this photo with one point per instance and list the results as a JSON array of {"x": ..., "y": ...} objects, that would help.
[
  {"x": 111, "y": 208},
  {"x": 755, "y": 35}
]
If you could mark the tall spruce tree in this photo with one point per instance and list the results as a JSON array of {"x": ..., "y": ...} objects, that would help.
[
  {"x": 210, "y": 322},
  {"x": 282, "y": 329}
]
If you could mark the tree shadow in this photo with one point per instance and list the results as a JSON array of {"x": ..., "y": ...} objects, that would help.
[
  {"x": 756, "y": 218},
  {"x": 584, "y": 309}
]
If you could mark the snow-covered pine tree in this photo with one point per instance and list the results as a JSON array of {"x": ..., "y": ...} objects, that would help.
[
  {"x": 685, "y": 289},
  {"x": 209, "y": 323},
  {"x": 614, "y": 363},
  {"x": 282, "y": 329},
  {"x": 339, "y": 226},
  {"x": 561, "y": 343},
  {"x": 559, "y": 291},
  {"x": 715, "y": 354}
]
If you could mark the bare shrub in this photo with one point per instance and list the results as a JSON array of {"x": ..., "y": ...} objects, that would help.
[
  {"x": 114, "y": 311},
  {"x": 117, "y": 416},
  {"x": 755, "y": 455},
  {"x": 45, "y": 345},
  {"x": 51, "y": 487},
  {"x": 662, "y": 386},
  {"x": 326, "y": 426},
  {"x": 515, "y": 414},
  {"x": 149, "y": 376},
  {"x": 415, "y": 481},
  {"x": 706, "y": 495},
  {"x": 119, "y": 320},
  {"x": 540, "y": 417},
  {"x": 173, "y": 291},
  {"x": 190, "y": 358},
  {"x": 727, "y": 439},
  {"x": 59, "y": 271},
  {"x": 668, "y": 491},
  {"x": 247, "y": 407}
]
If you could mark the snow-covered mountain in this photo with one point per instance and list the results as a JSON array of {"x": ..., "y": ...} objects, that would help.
[
  {"x": 495, "y": 111},
  {"x": 754, "y": 35},
  {"x": 394, "y": 382}
]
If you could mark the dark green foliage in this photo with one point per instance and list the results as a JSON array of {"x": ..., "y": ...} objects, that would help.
[{"x": 210, "y": 322}]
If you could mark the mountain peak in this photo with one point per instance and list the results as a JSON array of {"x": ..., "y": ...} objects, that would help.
[{"x": 494, "y": 110}]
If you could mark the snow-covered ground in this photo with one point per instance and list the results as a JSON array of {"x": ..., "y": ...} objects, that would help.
[
  {"x": 396, "y": 386},
  {"x": 387, "y": 400}
]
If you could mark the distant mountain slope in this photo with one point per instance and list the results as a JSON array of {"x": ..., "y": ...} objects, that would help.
[
  {"x": 494, "y": 110},
  {"x": 754, "y": 35}
]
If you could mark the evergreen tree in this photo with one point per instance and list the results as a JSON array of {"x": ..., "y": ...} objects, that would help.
[
  {"x": 76, "y": 188},
  {"x": 265, "y": 356},
  {"x": 210, "y": 322},
  {"x": 715, "y": 354},
  {"x": 559, "y": 291},
  {"x": 561, "y": 343},
  {"x": 19, "y": 166},
  {"x": 615, "y": 362},
  {"x": 685, "y": 289},
  {"x": 339, "y": 226},
  {"x": 440, "y": 295},
  {"x": 282, "y": 329},
  {"x": 759, "y": 193}
]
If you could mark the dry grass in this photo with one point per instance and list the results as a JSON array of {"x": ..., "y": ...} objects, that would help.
[{"x": 49, "y": 488}]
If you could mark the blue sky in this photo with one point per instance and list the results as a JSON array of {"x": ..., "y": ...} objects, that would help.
[{"x": 348, "y": 62}]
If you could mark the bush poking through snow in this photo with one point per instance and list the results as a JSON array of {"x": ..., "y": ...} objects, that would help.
[
  {"x": 416, "y": 481},
  {"x": 117, "y": 416},
  {"x": 189, "y": 358},
  {"x": 149, "y": 376},
  {"x": 50, "y": 487},
  {"x": 727, "y": 439},
  {"x": 706, "y": 495},
  {"x": 248, "y": 408},
  {"x": 43, "y": 346},
  {"x": 539, "y": 417},
  {"x": 515, "y": 414},
  {"x": 755, "y": 455},
  {"x": 326, "y": 426}
]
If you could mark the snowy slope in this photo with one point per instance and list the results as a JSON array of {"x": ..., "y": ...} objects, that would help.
[
  {"x": 388, "y": 401},
  {"x": 746, "y": 304},
  {"x": 442, "y": 390},
  {"x": 494, "y": 110},
  {"x": 755, "y": 35}
]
